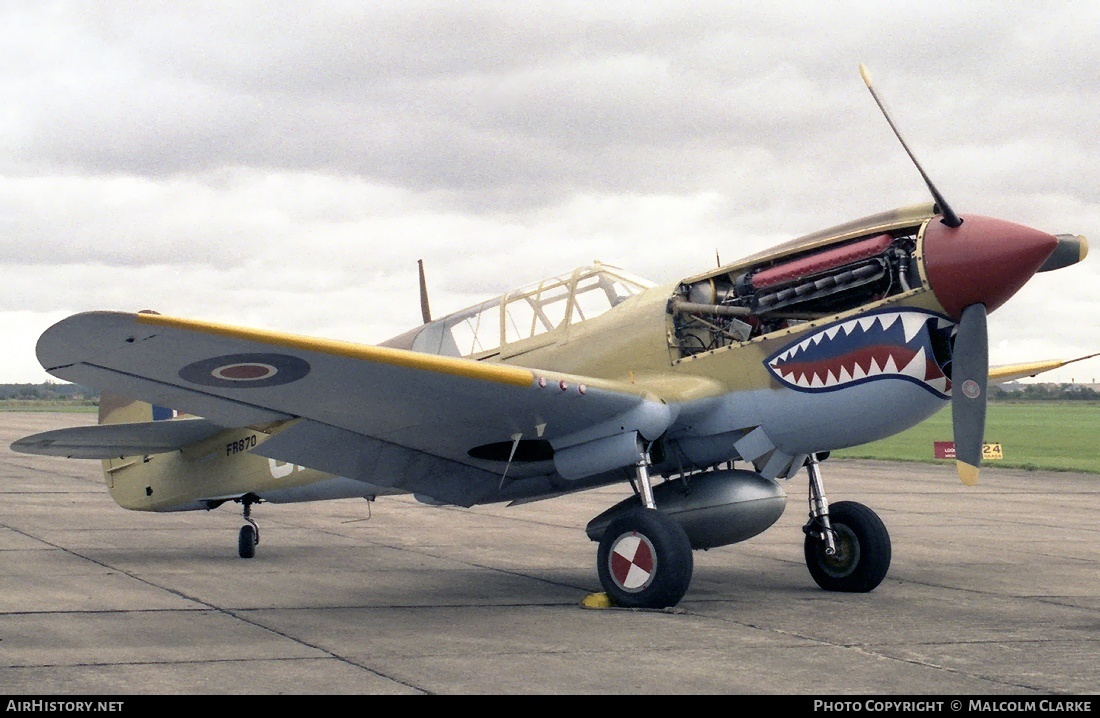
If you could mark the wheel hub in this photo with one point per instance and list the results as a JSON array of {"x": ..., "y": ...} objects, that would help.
[
  {"x": 847, "y": 554},
  {"x": 633, "y": 562}
]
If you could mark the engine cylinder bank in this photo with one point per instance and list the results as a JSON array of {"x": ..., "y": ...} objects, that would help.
[{"x": 737, "y": 304}]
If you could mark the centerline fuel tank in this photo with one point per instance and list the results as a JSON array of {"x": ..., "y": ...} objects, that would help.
[{"x": 716, "y": 508}]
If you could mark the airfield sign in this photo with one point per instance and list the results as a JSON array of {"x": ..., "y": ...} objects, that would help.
[{"x": 990, "y": 452}]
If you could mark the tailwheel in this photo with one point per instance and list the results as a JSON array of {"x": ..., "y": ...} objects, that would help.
[
  {"x": 247, "y": 540},
  {"x": 644, "y": 560},
  {"x": 250, "y": 532},
  {"x": 861, "y": 555}
]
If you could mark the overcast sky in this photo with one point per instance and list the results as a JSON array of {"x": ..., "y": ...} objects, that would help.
[{"x": 284, "y": 165}]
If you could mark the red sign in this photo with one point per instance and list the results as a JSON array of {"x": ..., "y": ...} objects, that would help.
[{"x": 945, "y": 449}]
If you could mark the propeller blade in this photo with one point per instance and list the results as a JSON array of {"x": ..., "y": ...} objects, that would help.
[
  {"x": 969, "y": 378},
  {"x": 949, "y": 217},
  {"x": 425, "y": 311},
  {"x": 1071, "y": 249}
]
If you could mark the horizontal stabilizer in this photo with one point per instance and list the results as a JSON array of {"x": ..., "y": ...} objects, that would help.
[{"x": 107, "y": 441}]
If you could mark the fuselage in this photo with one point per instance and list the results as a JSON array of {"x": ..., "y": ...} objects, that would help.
[{"x": 832, "y": 340}]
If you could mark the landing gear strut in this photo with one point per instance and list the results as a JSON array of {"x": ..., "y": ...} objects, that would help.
[
  {"x": 644, "y": 559},
  {"x": 250, "y": 532},
  {"x": 847, "y": 546}
]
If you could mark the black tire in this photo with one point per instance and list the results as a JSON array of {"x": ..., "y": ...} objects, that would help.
[
  {"x": 862, "y": 550},
  {"x": 246, "y": 542},
  {"x": 644, "y": 560}
]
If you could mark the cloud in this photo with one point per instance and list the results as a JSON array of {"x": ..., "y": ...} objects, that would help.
[{"x": 249, "y": 162}]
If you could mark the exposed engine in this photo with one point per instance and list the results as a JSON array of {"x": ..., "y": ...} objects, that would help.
[{"x": 735, "y": 306}]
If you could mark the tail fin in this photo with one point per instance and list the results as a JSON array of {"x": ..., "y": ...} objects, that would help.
[
  {"x": 117, "y": 409},
  {"x": 131, "y": 479}
]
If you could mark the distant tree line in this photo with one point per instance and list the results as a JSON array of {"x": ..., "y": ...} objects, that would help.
[
  {"x": 47, "y": 390},
  {"x": 1043, "y": 392}
]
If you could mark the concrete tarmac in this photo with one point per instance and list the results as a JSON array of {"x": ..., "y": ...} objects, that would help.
[{"x": 993, "y": 590}]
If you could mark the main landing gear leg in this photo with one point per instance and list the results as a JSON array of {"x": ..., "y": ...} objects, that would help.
[
  {"x": 819, "y": 523},
  {"x": 642, "y": 482},
  {"x": 644, "y": 559},
  {"x": 847, "y": 546},
  {"x": 250, "y": 532}
]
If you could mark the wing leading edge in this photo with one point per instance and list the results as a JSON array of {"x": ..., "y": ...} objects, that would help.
[
  {"x": 1011, "y": 372},
  {"x": 387, "y": 416}
]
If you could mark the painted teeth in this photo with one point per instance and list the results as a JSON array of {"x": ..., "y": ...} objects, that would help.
[
  {"x": 917, "y": 366},
  {"x": 889, "y": 367},
  {"x": 912, "y": 324}
]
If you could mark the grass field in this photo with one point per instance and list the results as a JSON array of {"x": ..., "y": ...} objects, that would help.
[
  {"x": 86, "y": 406},
  {"x": 1048, "y": 435}
]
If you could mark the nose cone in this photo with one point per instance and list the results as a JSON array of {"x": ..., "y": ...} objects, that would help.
[{"x": 982, "y": 261}]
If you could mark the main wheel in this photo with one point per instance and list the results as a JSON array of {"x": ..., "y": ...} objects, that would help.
[
  {"x": 862, "y": 555},
  {"x": 644, "y": 560},
  {"x": 246, "y": 542}
]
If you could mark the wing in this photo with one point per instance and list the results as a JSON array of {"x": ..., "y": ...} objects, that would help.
[
  {"x": 107, "y": 441},
  {"x": 387, "y": 416},
  {"x": 1011, "y": 372}
]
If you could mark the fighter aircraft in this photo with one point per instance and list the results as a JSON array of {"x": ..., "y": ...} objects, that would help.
[{"x": 723, "y": 385}]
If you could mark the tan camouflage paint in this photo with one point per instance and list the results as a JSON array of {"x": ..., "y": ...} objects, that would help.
[{"x": 632, "y": 344}]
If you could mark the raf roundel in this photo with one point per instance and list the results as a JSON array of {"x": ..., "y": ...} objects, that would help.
[{"x": 245, "y": 371}]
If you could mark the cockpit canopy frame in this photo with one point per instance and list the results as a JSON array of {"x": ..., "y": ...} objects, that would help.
[{"x": 540, "y": 308}]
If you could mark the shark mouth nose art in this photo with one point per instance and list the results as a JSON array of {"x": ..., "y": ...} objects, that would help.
[{"x": 909, "y": 344}]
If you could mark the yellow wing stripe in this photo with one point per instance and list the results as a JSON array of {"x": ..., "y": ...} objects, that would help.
[
  {"x": 497, "y": 373},
  {"x": 1008, "y": 372}
]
